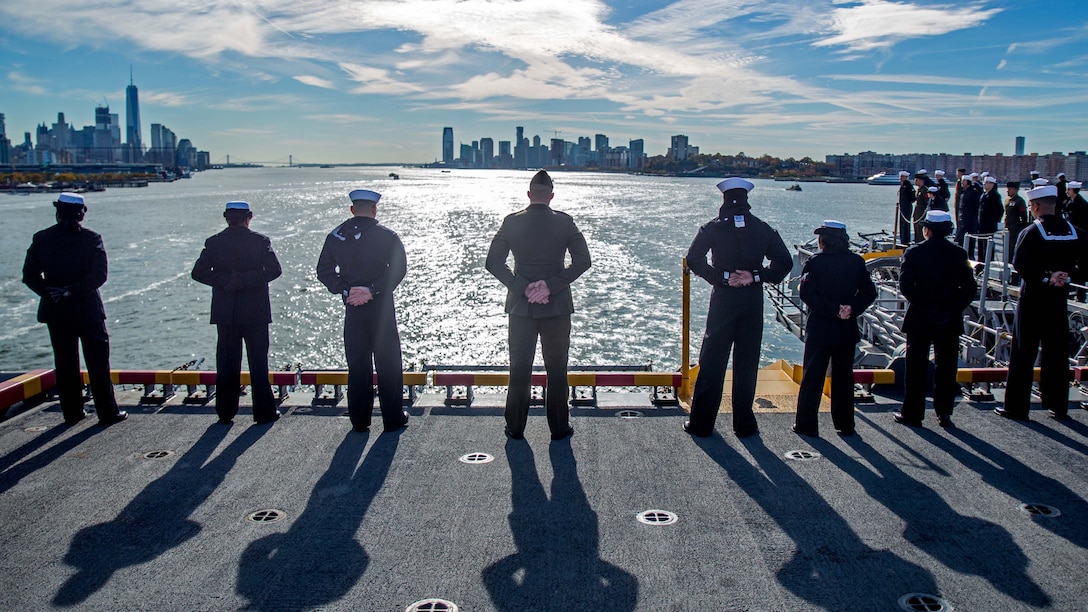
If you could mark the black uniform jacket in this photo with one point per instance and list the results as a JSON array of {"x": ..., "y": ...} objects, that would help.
[
  {"x": 71, "y": 259},
  {"x": 247, "y": 257},
  {"x": 1076, "y": 210},
  {"x": 943, "y": 193},
  {"x": 362, "y": 253},
  {"x": 738, "y": 240},
  {"x": 989, "y": 212},
  {"x": 970, "y": 200},
  {"x": 540, "y": 239},
  {"x": 907, "y": 197},
  {"x": 827, "y": 281},
  {"x": 1039, "y": 253},
  {"x": 939, "y": 284}
]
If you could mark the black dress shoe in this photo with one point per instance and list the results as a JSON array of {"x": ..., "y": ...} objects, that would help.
[
  {"x": 563, "y": 435},
  {"x": 79, "y": 418},
  {"x": 746, "y": 433},
  {"x": 902, "y": 420},
  {"x": 117, "y": 418},
  {"x": 1058, "y": 416},
  {"x": 360, "y": 428},
  {"x": 226, "y": 421},
  {"x": 402, "y": 425},
  {"x": 1001, "y": 412},
  {"x": 846, "y": 432},
  {"x": 272, "y": 419},
  {"x": 812, "y": 433},
  {"x": 687, "y": 429},
  {"x": 944, "y": 420},
  {"x": 512, "y": 435}
]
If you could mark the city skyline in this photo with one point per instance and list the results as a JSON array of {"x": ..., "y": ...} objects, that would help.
[{"x": 374, "y": 82}]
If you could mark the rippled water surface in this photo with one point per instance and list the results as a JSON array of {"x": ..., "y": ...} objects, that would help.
[{"x": 450, "y": 309}]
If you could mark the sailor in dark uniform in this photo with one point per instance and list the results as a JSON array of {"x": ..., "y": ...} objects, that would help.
[
  {"x": 363, "y": 262},
  {"x": 538, "y": 301},
  {"x": 1016, "y": 216},
  {"x": 65, "y": 265},
  {"x": 1051, "y": 251},
  {"x": 922, "y": 183},
  {"x": 739, "y": 242},
  {"x": 238, "y": 264},
  {"x": 905, "y": 207},
  {"x": 940, "y": 202},
  {"x": 1076, "y": 208},
  {"x": 939, "y": 284},
  {"x": 970, "y": 198},
  {"x": 1063, "y": 196},
  {"x": 837, "y": 288},
  {"x": 989, "y": 214}
]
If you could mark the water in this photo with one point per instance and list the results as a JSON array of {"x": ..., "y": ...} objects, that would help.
[{"x": 451, "y": 310}]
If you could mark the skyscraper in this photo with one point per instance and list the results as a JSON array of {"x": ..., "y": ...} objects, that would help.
[
  {"x": 5, "y": 144},
  {"x": 133, "y": 141},
  {"x": 638, "y": 151},
  {"x": 487, "y": 152},
  {"x": 447, "y": 145},
  {"x": 1020, "y": 145}
]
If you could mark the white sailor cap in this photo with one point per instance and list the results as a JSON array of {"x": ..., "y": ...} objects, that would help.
[
  {"x": 1034, "y": 172},
  {"x": 966, "y": 177},
  {"x": 939, "y": 173},
  {"x": 735, "y": 183},
  {"x": 990, "y": 179},
  {"x": 973, "y": 175},
  {"x": 1039, "y": 182},
  {"x": 1073, "y": 185},
  {"x": 364, "y": 195},
  {"x": 1046, "y": 191},
  {"x": 830, "y": 226},
  {"x": 237, "y": 205},
  {"x": 922, "y": 171},
  {"x": 934, "y": 189},
  {"x": 984, "y": 174},
  {"x": 903, "y": 173},
  {"x": 1061, "y": 175},
  {"x": 938, "y": 216},
  {"x": 70, "y": 198}
]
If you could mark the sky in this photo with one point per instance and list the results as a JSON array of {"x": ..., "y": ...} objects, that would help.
[{"x": 372, "y": 81}]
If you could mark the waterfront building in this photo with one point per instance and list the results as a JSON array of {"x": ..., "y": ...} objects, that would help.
[
  {"x": 466, "y": 156},
  {"x": 521, "y": 149},
  {"x": 680, "y": 149},
  {"x": 5, "y": 144},
  {"x": 133, "y": 141},
  {"x": 1002, "y": 167},
  {"x": 1020, "y": 145},
  {"x": 447, "y": 145},
  {"x": 505, "y": 159},
  {"x": 487, "y": 153},
  {"x": 601, "y": 146},
  {"x": 555, "y": 153},
  {"x": 637, "y": 155}
]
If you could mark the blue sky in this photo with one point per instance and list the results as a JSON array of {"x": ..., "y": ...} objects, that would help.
[{"x": 377, "y": 80}]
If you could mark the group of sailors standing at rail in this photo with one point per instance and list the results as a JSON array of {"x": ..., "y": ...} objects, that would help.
[{"x": 362, "y": 262}]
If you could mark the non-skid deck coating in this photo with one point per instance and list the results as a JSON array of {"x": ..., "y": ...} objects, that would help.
[{"x": 379, "y": 521}]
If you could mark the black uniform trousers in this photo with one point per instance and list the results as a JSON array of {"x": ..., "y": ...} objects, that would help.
[
  {"x": 372, "y": 342},
  {"x": 906, "y": 223},
  {"x": 66, "y": 335},
  {"x": 228, "y": 365},
  {"x": 1039, "y": 320},
  {"x": 554, "y": 335},
  {"x": 946, "y": 344},
  {"x": 817, "y": 356},
  {"x": 732, "y": 326}
]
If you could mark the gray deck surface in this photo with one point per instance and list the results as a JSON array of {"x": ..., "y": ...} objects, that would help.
[{"x": 379, "y": 521}]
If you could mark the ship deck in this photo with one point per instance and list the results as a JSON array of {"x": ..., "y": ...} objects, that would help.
[{"x": 379, "y": 521}]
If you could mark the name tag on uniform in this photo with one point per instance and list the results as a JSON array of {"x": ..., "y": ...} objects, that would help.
[{"x": 738, "y": 220}]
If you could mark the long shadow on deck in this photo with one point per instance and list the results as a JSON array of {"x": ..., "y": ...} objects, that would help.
[
  {"x": 320, "y": 558},
  {"x": 557, "y": 565},
  {"x": 953, "y": 539},
  {"x": 831, "y": 567},
  {"x": 156, "y": 520},
  {"x": 13, "y": 471}
]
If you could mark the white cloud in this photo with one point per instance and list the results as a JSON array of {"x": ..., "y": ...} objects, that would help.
[
  {"x": 315, "y": 81},
  {"x": 342, "y": 119},
  {"x": 25, "y": 84},
  {"x": 878, "y": 24},
  {"x": 164, "y": 98}
]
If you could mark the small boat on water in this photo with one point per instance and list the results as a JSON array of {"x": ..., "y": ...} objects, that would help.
[
  {"x": 794, "y": 187},
  {"x": 883, "y": 178},
  {"x": 394, "y": 176}
]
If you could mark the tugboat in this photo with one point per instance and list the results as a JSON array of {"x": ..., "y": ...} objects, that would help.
[{"x": 794, "y": 187}]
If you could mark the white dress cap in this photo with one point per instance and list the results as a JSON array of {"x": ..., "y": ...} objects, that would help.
[
  {"x": 922, "y": 171},
  {"x": 938, "y": 216},
  {"x": 237, "y": 205},
  {"x": 1061, "y": 175},
  {"x": 939, "y": 173},
  {"x": 1046, "y": 191},
  {"x": 70, "y": 198},
  {"x": 904, "y": 173},
  {"x": 990, "y": 179},
  {"x": 934, "y": 189},
  {"x": 1073, "y": 185},
  {"x": 1039, "y": 182},
  {"x": 364, "y": 195},
  {"x": 735, "y": 183}
]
